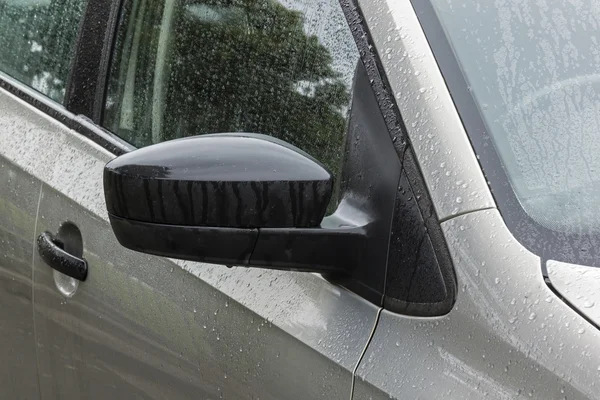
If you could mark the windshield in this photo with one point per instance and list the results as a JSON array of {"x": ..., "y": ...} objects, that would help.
[{"x": 533, "y": 68}]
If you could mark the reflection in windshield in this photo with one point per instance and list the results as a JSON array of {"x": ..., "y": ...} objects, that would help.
[{"x": 533, "y": 70}]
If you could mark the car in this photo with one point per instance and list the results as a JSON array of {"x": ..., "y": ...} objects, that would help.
[{"x": 299, "y": 199}]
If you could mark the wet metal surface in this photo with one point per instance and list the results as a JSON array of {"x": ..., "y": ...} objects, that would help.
[
  {"x": 18, "y": 205},
  {"x": 508, "y": 336},
  {"x": 579, "y": 285},
  {"x": 145, "y": 326}
]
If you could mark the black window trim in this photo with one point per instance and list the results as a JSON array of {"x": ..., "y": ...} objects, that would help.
[
  {"x": 88, "y": 76},
  {"x": 388, "y": 106},
  {"x": 547, "y": 244}
]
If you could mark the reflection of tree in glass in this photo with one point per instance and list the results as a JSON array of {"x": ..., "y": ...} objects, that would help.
[
  {"x": 37, "y": 40},
  {"x": 247, "y": 65},
  {"x": 58, "y": 37}
]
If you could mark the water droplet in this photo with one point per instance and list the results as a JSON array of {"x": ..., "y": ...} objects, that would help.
[
  {"x": 195, "y": 311},
  {"x": 397, "y": 344},
  {"x": 459, "y": 200},
  {"x": 532, "y": 316},
  {"x": 588, "y": 304},
  {"x": 497, "y": 281}
]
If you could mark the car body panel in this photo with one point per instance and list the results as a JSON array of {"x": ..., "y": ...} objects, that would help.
[
  {"x": 579, "y": 285},
  {"x": 19, "y": 197},
  {"x": 508, "y": 335},
  {"x": 451, "y": 171},
  {"x": 142, "y": 326},
  {"x": 136, "y": 325}
]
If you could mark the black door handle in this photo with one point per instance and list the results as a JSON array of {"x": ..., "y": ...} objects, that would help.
[{"x": 52, "y": 252}]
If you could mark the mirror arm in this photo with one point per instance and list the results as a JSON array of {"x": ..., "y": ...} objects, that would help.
[{"x": 332, "y": 249}]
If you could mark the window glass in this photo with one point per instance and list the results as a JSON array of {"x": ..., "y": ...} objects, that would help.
[
  {"x": 532, "y": 68},
  {"x": 37, "y": 40},
  {"x": 188, "y": 67}
]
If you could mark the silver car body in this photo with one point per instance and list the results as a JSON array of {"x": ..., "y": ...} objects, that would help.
[{"x": 148, "y": 327}]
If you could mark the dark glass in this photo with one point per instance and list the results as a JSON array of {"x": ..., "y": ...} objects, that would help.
[
  {"x": 185, "y": 68},
  {"x": 37, "y": 42}
]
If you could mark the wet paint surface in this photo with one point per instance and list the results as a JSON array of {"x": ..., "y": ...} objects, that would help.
[
  {"x": 579, "y": 284},
  {"x": 508, "y": 336},
  {"x": 18, "y": 205},
  {"x": 148, "y": 327}
]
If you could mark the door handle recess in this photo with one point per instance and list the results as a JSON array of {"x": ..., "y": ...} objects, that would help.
[{"x": 52, "y": 252}]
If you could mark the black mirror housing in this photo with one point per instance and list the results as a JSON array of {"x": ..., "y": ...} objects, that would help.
[
  {"x": 261, "y": 204},
  {"x": 220, "y": 180},
  {"x": 234, "y": 199}
]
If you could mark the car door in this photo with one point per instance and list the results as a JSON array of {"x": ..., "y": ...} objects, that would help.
[
  {"x": 26, "y": 54},
  {"x": 18, "y": 207},
  {"x": 141, "y": 326}
]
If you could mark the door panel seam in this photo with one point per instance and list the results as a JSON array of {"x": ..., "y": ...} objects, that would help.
[
  {"x": 37, "y": 358},
  {"x": 362, "y": 354},
  {"x": 460, "y": 214}
]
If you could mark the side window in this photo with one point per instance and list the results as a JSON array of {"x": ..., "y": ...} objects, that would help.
[
  {"x": 188, "y": 67},
  {"x": 37, "y": 42}
]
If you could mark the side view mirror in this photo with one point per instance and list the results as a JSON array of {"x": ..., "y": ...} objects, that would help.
[{"x": 233, "y": 199}]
